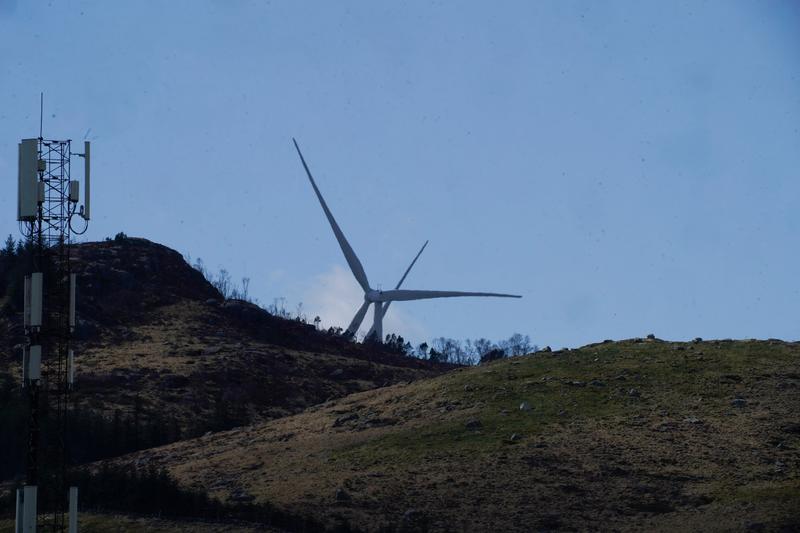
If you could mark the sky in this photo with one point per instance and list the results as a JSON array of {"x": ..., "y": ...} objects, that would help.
[{"x": 627, "y": 167}]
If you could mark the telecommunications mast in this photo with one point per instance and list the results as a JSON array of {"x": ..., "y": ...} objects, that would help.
[{"x": 48, "y": 214}]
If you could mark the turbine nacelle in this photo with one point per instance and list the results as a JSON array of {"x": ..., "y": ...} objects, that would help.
[{"x": 372, "y": 296}]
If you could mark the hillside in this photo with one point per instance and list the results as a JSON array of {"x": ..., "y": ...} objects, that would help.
[
  {"x": 103, "y": 523},
  {"x": 156, "y": 341},
  {"x": 631, "y": 435}
]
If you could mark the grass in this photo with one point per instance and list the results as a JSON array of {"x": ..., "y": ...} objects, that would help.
[
  {"x": 788, "y": 492},
  {"x": 633, "y": 435},
  {"x": 596, "y": 382},
  {"x": 108, "y": 523}
]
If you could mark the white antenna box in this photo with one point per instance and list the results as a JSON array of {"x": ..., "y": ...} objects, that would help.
[
  {"x": 87, "y": 189},
  {"x": 28, "y": 189},
  {"x": 73, "y": 280}
]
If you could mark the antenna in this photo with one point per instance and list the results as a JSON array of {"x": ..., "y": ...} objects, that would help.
[
  {"x": 84, "y": 211},
  {"x": 86, "y": 179},
  {"x": 46, "y": 203}
]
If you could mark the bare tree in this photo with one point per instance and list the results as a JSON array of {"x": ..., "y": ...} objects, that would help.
[
  {"x": 299, "y": 316},
  {"x": 482, "y": 346},
  {"x": 517, "y": 344},
  {"x": 452, "y": 351},
  {"x": 473, "y": 351},
  {"x": 422, "y": 350}
]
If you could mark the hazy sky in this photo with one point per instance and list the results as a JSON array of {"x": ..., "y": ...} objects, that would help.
[{"x": 628, "y": 167}]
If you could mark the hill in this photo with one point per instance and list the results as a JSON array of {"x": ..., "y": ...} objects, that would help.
[
  {"x": 162, "y": 355},
  {"x": 103, "y": 523},
  {"x": 631, "y": 435}
]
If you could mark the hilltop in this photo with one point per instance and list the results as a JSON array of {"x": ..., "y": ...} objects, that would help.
[
  {"x": 631, "y": 435},
  {"x": 156, "y": 342}
]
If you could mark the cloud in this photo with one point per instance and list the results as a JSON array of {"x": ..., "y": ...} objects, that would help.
[{"x": 335, "y": 297}]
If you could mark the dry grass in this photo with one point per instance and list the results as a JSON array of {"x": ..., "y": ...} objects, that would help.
[
  {"x": 629, "y": 435},
  {"x": 186, "y": 358}
]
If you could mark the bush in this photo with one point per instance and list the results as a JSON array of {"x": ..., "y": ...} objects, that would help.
[
  {"x": 154, "y": 492},
  {"x": 493, "y": 355}
]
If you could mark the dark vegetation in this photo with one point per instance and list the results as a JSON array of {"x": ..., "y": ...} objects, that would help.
[
  {"x": 224, "y": 283},
  {"x": 93, "y": 436},
  {"x": 14, "y": 265},
  {"x": 111, "y": 488},
  {"x": 475, "y": 351},
  {"x": 14, "y": 424}
]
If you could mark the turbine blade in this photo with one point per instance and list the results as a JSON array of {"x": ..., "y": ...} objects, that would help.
[
  {"x": 411, "y": 265},
  {"x": 377, "y": 324},
  {"x": 385, "y": 308},
  {"x": 378, "y": 318},
  {"x": 347, "y": 250},
  {"x": 387, "y": 304},
  {"x": 356, "y": 322},
  {"x": 405, "y": 295}
]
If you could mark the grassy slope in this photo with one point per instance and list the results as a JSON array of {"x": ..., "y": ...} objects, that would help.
[
  {"x": 152, "y": 327},
  {"x": 186, "y": 357},
  {"x": 107, "y": 523},
  {"x": 627, "y": 435}
]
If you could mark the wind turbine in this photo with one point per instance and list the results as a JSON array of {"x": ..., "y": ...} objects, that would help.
[{"x": 378, "y": 298}]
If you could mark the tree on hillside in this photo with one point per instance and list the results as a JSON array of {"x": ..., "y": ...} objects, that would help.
[
  {"x": 422, "y": 350},
  {"x": 397, "y": 344},
  {"x": 482, "y": 346},
  {"x": 493, "y": 355},
  {"x": 452, "y": 351},
  {"x": 436, "y": 357},
  {"x": 223, "y": 283},
  {"x": 517, "y": 344},
  {"x": 8, "y": 249}
]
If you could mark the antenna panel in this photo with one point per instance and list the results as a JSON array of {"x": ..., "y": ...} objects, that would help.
[
  {"x": 73, "y": 510},
  {"x": 18, "y": 520},
  {"x": 74, "y": 191},
  {"x": 27, "y": 305},
  {"x": 28, "y": 177},
  {"x": 29, "y": 509},
  {"x": 25, "y": 364},
  {"x": 73, "y": 279},
  {"x": 35, "y": 363},
  {"x": 36, "y": 299},
  {"x": 87, "y": 179},
  {"x": 71, "y": 368}
]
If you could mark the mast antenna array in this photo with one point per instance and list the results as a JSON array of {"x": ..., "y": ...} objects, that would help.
[{"x": 47, "y": 210}]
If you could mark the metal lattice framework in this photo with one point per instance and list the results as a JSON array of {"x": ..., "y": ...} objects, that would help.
[{"x": 50, "y": 237}]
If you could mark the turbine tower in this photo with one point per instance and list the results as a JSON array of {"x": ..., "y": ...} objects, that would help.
[{"x": 378, "y": 298}]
